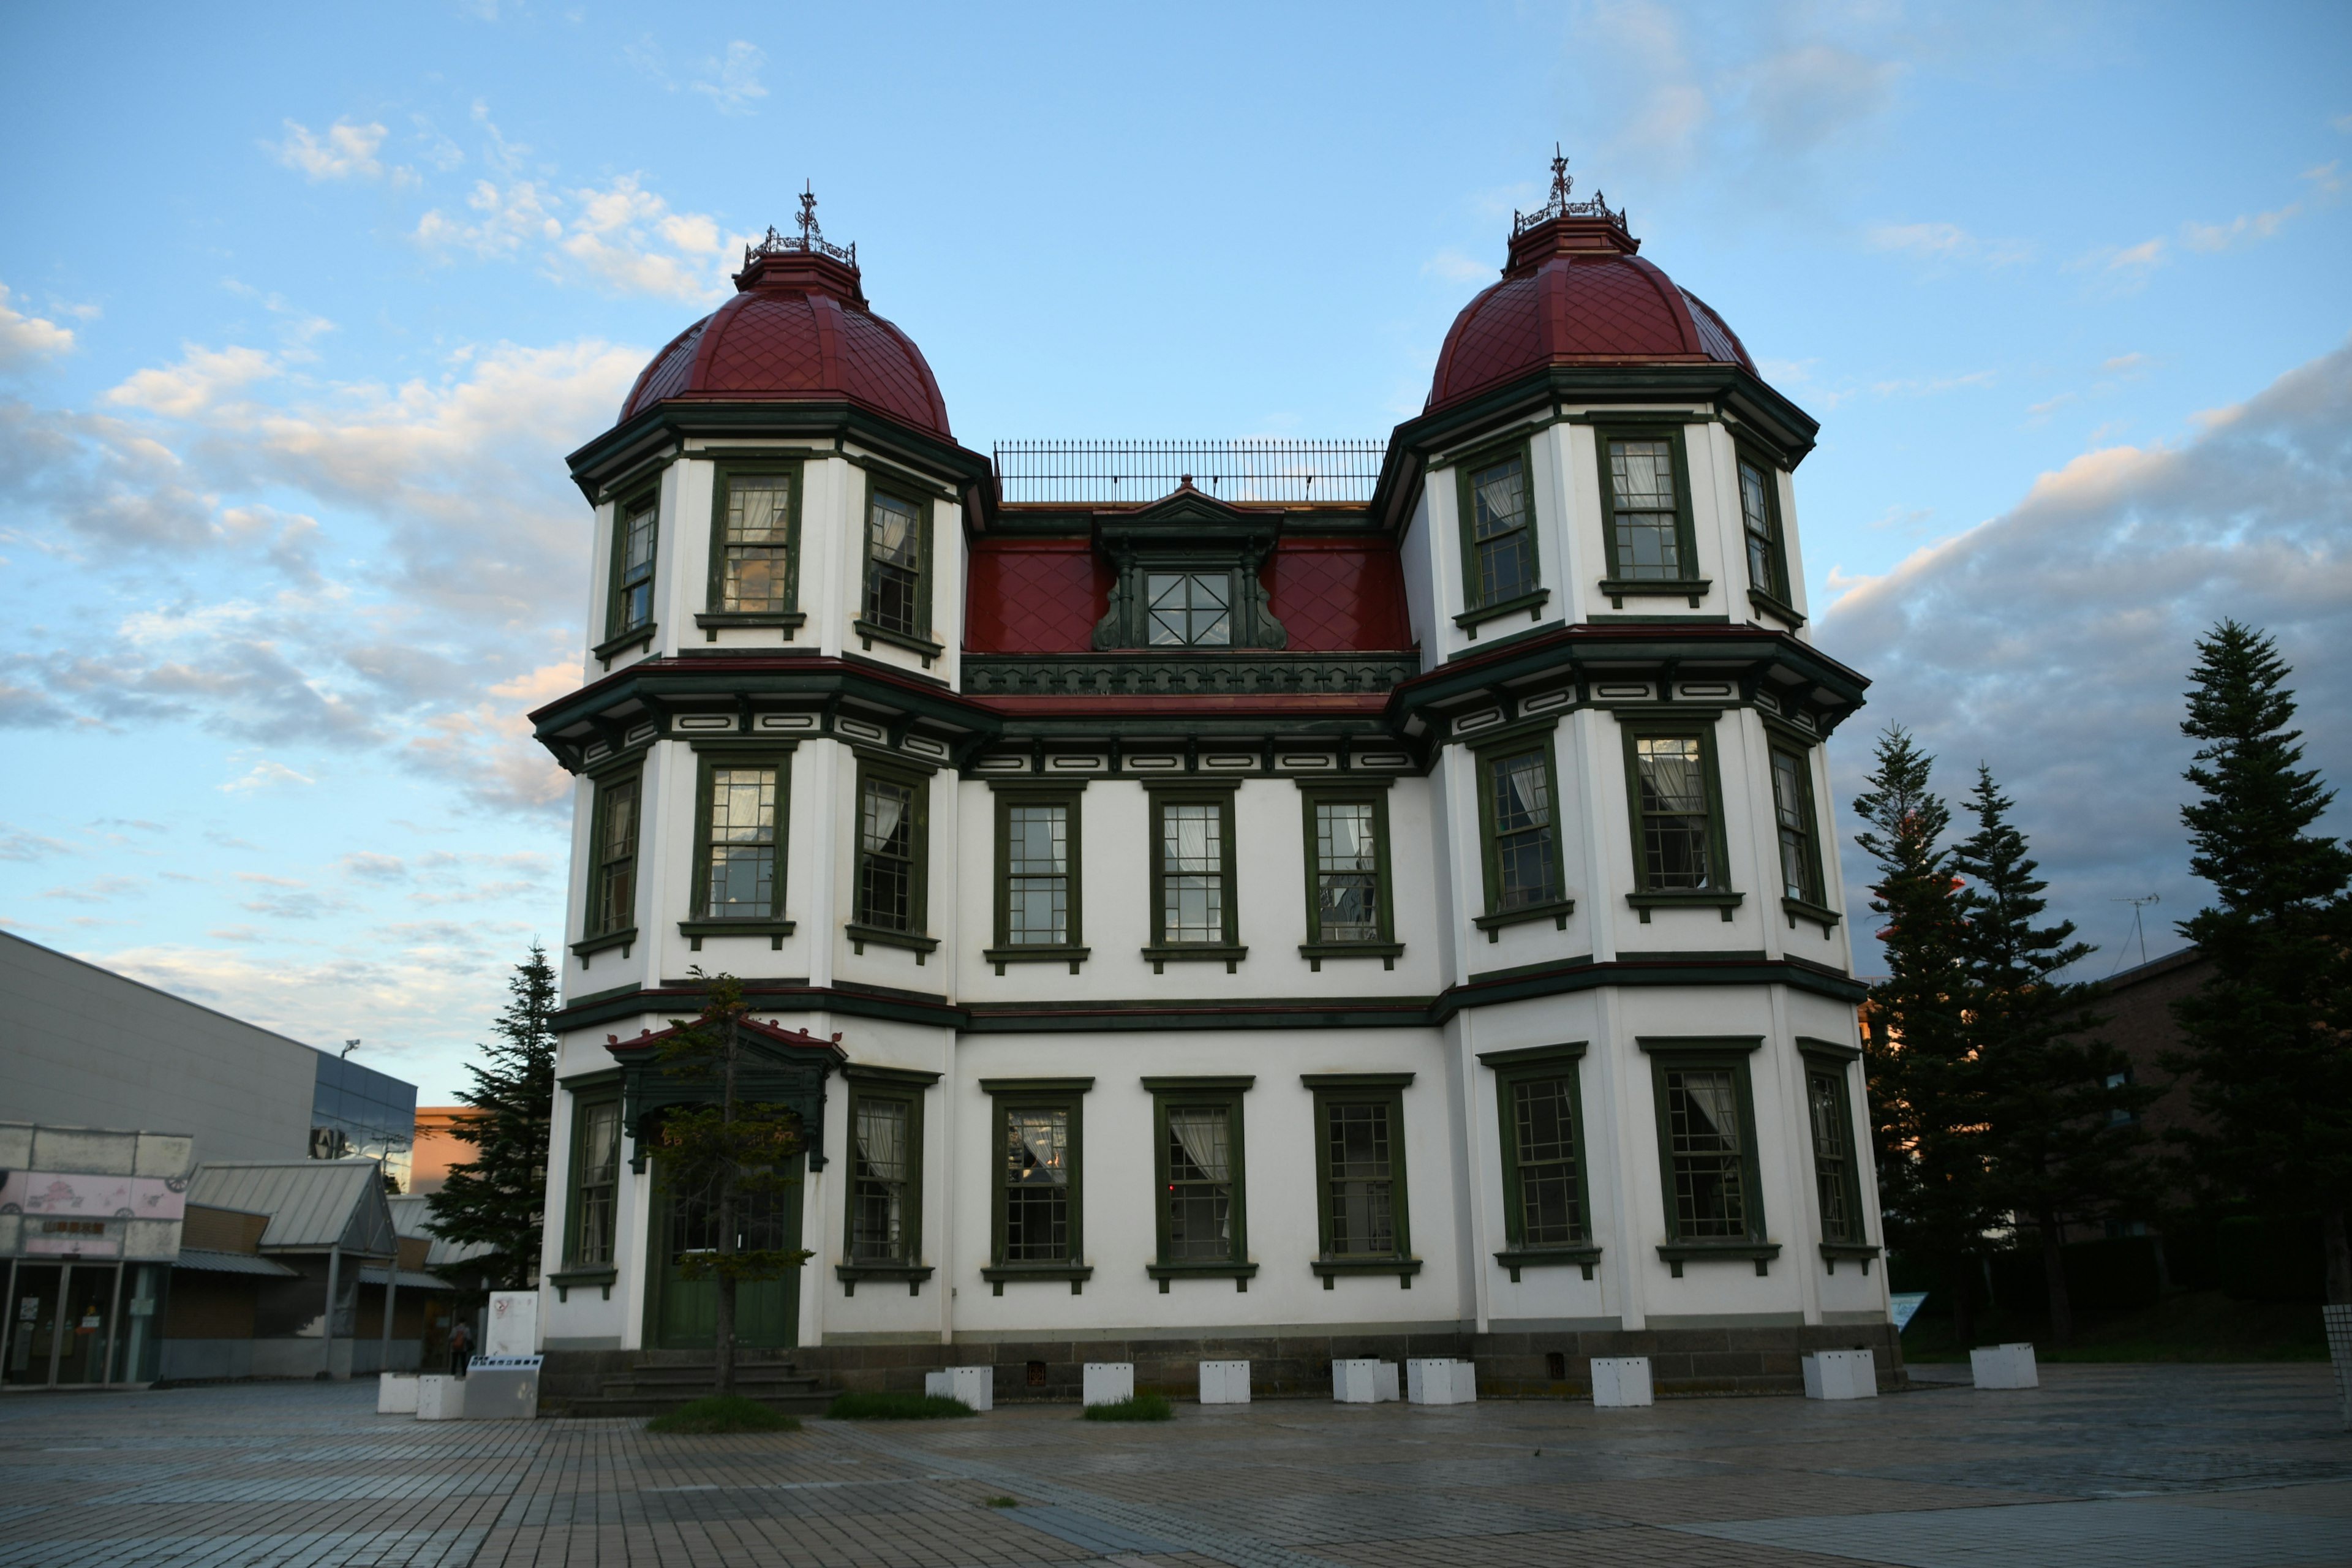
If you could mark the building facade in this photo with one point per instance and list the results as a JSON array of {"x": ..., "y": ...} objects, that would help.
[{"x": 1271, "y": 905}]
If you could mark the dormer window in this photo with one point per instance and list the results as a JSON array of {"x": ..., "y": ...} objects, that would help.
[{"x": 1189, "y": 609}]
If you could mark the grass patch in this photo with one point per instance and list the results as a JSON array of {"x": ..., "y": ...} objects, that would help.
[
  {"x": 1003, "y": 1502},
  {"x": 2189, "y": 1326},
  {"x": 896, "y": 1407},
  {"x": 724, "y": 1413},
  {"x": 1138, "y": 1407}
]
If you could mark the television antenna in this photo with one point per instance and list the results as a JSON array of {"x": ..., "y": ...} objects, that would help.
[{"x": 2138, "y": 930}]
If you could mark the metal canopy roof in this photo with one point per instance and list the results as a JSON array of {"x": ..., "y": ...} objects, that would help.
[
  {"x": 312, "y": 1205},
  {"x": 211, "y": 1262}
]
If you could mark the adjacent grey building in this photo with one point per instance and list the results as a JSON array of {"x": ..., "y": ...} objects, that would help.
[{"x": 83, "y": 1047}]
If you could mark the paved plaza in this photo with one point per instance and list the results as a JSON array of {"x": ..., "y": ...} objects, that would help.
[{"x": 2153, "y": 1467}]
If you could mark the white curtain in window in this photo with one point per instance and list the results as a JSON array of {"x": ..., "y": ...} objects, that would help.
[
  {"x": 882, "y": 1141},
  {"x": 1671, "y": 770},
  {"x": 1712, "y": 1099},
  {"x": 1203, "y": 1134},
  {"x": 1500, "y": 492},
  {"x": 882, "y": 809},
  {"x": 1191, "y": 836}
]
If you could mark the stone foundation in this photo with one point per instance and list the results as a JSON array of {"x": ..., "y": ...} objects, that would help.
[{"x": 1726, "y": 1361}]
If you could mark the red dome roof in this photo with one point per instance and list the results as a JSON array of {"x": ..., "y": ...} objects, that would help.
[
  {"x": 1575, "y": 293},
  {"x": 798, "y": 330}
]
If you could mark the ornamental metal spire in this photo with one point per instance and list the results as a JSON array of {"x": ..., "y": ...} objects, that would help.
[
  {"x": 1560, "y": 205},
  {"x": 811, "y": 240}
]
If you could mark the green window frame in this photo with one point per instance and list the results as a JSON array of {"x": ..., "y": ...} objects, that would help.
[
  {"x": 1040, "y": 875},
  {"x": 1201, "y": 1201},
  {"x": 1797, "y": 830},
  {"x": 1502, "y": 562},
  {"x": 1188, "y": 606},
  {"x": 1349, "y": 875},
  {"x": 1546, "y": 1175},
  {"x": 1760, "y": 528},
  {"x": 882, "y": 1219},
  {"x": 1037, "y": 1179},
  {"x": 1649, "y": 539},
  {"x": 1838, "y": 1146},
  {"x": 1712, "y": 1183},
  {"x": 594, "y": 1211},
  {"x": 894, "y": 542},
  {"x": 1681, "y": 853},
  {"x": 636, "y": 552},
  {"x": 755, "y": 544},
  {"x": 1362, "y": 1213},
  {"x": 742, "y": 810},
  {"x": 1515, "y": 772},
  {"x": 616, "y": 841},
  {"x": 890, "y": 898},
  {"x": 1192, "y": 862}
]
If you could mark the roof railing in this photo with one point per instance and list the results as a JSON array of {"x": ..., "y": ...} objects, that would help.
[{"x": 1270, "y": 470}]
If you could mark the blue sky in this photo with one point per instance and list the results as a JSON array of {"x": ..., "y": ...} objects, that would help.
[{"x": 302, "y": 313}]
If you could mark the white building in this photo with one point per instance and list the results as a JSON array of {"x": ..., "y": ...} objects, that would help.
[{"x": 1214, "y": 913}]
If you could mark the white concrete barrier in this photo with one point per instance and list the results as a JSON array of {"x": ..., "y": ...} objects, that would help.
[
  {"x": 1441, "y": 1379},
  {"x": 1110, "y": 1382},
  {"x": 1841, "y": 1375},
  {"x": 440, "y": 1397},
  {"x": 2004, "y": 1366},
  {"x": 975, "y": 1386},
  {"x": 1620, "y": 1381},
  {"x": 1359, "y": 1381},
  {"x": 1224, "y": 1382},
  {"x": 396, "y": 1395}
]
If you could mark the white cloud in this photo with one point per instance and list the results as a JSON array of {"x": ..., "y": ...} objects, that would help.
[
  {"x": 265, "y": 775},
  {"x": 737, "y": 87},
  {"x": 196, "y": 383},
  {"x": 620, "y": 238},
  {"x": 1946, "y": 242},
  {"x": 346, "y": 152},
  {"x": 2055, "y": 641},
  {"x": 1455, "y": 266},
  {"x": 24, "y": 338}
]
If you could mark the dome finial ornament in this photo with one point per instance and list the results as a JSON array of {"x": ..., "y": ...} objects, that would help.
[
  {"x": 1560, "y": 206},
  {"x": 811, "y": 242}
]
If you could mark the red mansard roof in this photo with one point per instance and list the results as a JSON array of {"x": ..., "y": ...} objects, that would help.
[{"x": 1044, "y": 596}]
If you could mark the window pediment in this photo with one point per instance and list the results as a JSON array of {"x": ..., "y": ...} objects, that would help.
[{"x": 1188, "y": 576}]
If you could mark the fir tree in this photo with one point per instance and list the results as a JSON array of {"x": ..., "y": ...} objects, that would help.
[
  {"x": 735, "y": 1155},
  {"x": 2063, "y": 1140},
  {"x": 2267, "y": 1037},
  {"x": 1926, "y": 1118},
  {"x": 498, "y": 1199}
]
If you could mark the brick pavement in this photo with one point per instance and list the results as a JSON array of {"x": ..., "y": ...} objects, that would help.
[{"x": 2227, "y": 1467}]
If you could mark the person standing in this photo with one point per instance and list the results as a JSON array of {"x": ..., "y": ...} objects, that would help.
[{"x": 461, "y": 1347}]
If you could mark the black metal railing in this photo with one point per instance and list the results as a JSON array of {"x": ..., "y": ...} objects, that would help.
[{"x": 1274, "y": 469}]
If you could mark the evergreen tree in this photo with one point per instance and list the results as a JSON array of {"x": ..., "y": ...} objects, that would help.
[
  {"x": 734, "y": 1155},
  {"x": 498, "y": 1199},
  {"x": 1925, "y": 1113},
  {"x": 2269, "y": 1037},
  {"x": 2062, "y": 1142}
]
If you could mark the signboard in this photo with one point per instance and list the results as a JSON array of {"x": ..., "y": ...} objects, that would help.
[
  {"x": 72, "y": 1194},
  {"x": 513, "y": 1325}
]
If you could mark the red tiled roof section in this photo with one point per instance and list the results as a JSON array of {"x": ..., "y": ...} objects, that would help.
[
  {"x": 1044, "y": 596},
  {"x": 1340, "y": 596},
  {"x": 793, "y": 334},
  {"x": 1035, "y": 595},
  {"x": 1580, "y": 303}
]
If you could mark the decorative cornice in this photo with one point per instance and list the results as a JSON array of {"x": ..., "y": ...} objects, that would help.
[{"x": 1118, "y": 674}]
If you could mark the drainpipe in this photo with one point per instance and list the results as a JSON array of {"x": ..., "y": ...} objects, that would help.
[
  {"x": 391, "y": 1300},
  {"x": 327, "y": 1335}
]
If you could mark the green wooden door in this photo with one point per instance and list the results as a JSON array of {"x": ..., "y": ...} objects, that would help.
[{"x": 682, "y": 1313}]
